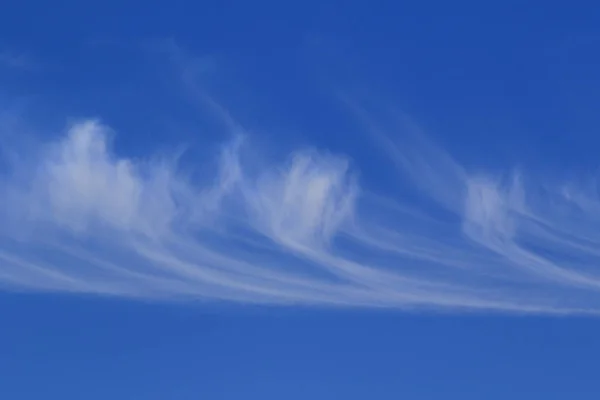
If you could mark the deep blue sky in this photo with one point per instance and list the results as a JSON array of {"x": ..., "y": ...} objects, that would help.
[
  {"x": 499, "y": 84},
  {"x": 73, "y": 348}
]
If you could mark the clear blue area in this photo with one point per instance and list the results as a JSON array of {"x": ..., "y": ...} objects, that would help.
[
  {"x": 72, "y": 348},
  {"x": 498, "y": 84}
]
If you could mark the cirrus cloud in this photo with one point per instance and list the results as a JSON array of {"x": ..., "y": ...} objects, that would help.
[{"x": 80, "y": 218}]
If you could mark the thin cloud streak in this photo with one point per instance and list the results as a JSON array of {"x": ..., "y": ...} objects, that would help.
[{"x": 79, "y": 218}]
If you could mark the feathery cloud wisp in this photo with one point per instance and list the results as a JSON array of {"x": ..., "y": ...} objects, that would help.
[{"x": 302, "y": 232}]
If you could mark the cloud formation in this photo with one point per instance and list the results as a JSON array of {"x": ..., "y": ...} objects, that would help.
[{"x": 80, "y": 218}]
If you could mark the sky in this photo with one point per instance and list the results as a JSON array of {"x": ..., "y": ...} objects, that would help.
[{"x": 323, "y": 200}]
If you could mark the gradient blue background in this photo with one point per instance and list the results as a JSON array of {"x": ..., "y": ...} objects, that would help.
[{"x": 510, "y": 83}]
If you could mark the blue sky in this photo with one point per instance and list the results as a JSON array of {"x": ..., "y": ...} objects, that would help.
[{"x": 314, "y": 200}]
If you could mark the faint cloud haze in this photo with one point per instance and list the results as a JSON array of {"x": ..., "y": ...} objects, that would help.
[{"x": 19, "y": 61}]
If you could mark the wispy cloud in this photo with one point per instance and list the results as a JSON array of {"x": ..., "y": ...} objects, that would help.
[
  {"x": 303, "y": 229},
  {"x": 80, "y": 218}
]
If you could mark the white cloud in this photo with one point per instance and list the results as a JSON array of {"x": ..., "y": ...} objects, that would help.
[
  {"x": 301, "y": 232},
  {"x": 79, "y": 185},
  {"x": 489, "y": 210},
  {"x": 304, "y": 202}
]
